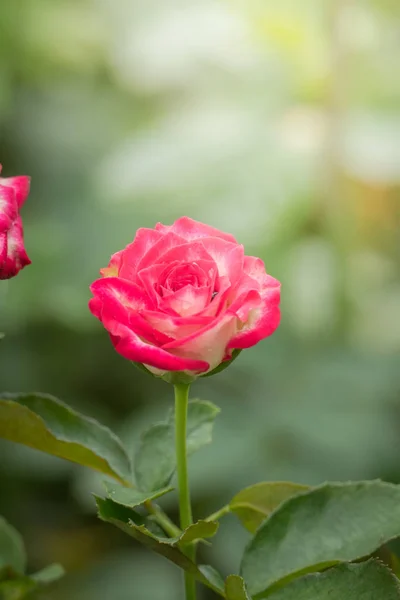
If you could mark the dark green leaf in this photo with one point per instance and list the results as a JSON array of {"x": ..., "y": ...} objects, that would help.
[
  {"x": 366, "y": 581},
  {"x": 44, "y": 423},
  {"x": 155, "y": 458},
  {"x": 132, "y": 497},
  {"x": 253, "y": 504},
  {"x": 134, "y": 525},
  {"x": 12, "y": 549},
  {"x": 329, "y": 524},
  {"x": 235, "y": 588}
]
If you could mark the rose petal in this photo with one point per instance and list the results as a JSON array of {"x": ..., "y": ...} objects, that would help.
[
  {"x": 165, "y": 243},
  {"x": 3, "y": 247},
  {"x": 129, "y": 345},
  {"x": 244, "y": 303},
  {"x": 191, "y": 230},
  {"x": 17, "y": 257},
  {"x": 8, "y": 207},
  {"x": 112, "y": 270},
  {"x": 209, "y": 343},
  {"x": 187, "y": 301},
  {"x": 123, "y": 301},
  {"x": 174, "y": 326},
  {"x": 21, "y": 186},
  {"x": 149, "y": 278},
  {"x": 95, "y": 306},
  {"x": 144, "y": 240},
  {"x": 185, "y": 253},
  {"x": 228, "y": 257},
  {"x": 261, "y": 321}
]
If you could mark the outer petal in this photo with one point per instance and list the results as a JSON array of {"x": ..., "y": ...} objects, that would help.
[
  {"x": 209, "y": 343},
  {"x": 244, "y": 304},
  {"x": 112, "y": 270},
  {"x": 228, "y": 257},
  {"x": 144, "y": 240},
  {"x": 129, "y": 345},
  {"x": 262, "y": 321},
  {"x": 145, "y": 250},
  {"x": 21, "y": 186},
  {"x": 191, "y": 230},
  {"x": 17, "y": 257},
  {"x": 3, "y": 248},
  {"x": 8, "y": 207},
  {"x": 120, "y": 300}
]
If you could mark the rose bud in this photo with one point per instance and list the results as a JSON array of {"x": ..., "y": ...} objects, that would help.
[
  {"x": 184, "y": 298},
  {"x": 13, "y": 257}
]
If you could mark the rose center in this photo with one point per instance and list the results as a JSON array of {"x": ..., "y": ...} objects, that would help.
[{"x": 183, "y": 275}]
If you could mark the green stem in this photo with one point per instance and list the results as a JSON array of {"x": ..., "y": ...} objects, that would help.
[
  {"x": 185, "y": 509},
  {"x": 219, "y": 513},
  {"x": 162, "y": 519}
]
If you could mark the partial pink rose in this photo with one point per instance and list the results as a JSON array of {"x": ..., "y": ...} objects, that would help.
[
  {"x": 13, "y": 257},
  {"x": 183, "y": 297}
]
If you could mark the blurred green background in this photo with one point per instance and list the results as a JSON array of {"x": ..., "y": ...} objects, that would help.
[{"x": 276, "y": 121}]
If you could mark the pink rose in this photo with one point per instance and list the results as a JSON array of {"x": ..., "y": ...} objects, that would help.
[
  {"x": 183, "y": 297},
  {"x": 13, "y": 257}
]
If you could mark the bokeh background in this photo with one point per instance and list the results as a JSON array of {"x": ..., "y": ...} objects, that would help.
[{"x": 276, "y": 121}]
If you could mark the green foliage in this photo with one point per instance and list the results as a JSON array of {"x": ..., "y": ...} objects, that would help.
[
  {"x": 12, "y": 549},
  {"x": 132, "y": 497},
  {"x": 45, "y": 423},
  {"x": 155, "y": 462},
  {"x": 318, "y": 529},
  {"x": 253, "y": 504},
  {"x": 365, "y": 581},
  {"x": 136, "y": 526},
  {"x": 235, "y": 588},
  {"x": 14, "y": 583}
]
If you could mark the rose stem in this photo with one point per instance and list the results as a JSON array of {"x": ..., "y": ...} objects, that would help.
[{"x": 185, "y": 510}]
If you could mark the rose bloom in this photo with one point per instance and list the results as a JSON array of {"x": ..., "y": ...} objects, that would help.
[
  {"x": 13, "y": 257},
  {"x": 184, "y": 297}
]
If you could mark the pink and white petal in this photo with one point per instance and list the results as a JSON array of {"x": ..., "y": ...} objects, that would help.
[
  {"x": 186, "y": 301},
  {"x": 261, "y": 322},
  {"x": 122, "y": 301},
  {"x": 144, "y": 240},
  {"x": 244, "y": 303},
  {"x": 190, "y": 230},
  {"x": 162, "y": 245},
  {"x": 17, "y": 257},
  {"x": 255, "y": 268},
  {"x": 8, "y": 207},
  {"x": 208, "y": 344},
  {"x": 20, "y": 184},
  {"x": 219, "y": 300},
  {"x": 126, "y": 293},
  {"x": 174, "y": 326},
  {"x": 186, "y": 253},
  {"x": 112, "y": 270},
  {"x": 228, "y": 257},
  {"x": 129, "y": 345},
  {"x": 149, "y": 279}
]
